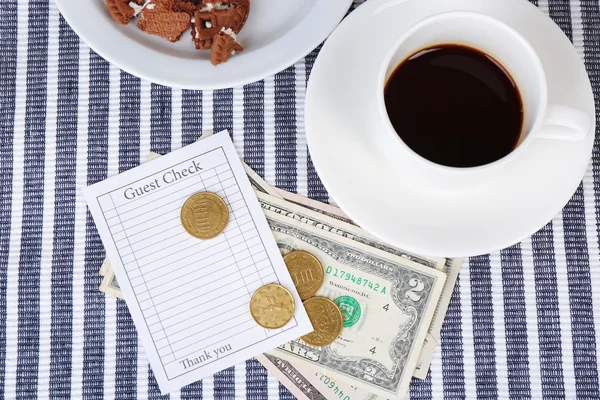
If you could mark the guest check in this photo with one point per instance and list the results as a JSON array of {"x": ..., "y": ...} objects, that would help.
[{"x": 189, "y": 298}]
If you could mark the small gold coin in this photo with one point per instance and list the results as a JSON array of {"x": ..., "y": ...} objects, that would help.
[
  {"x": 204, "y": 215},
  {"x": 272, "y": 306},
  {"x": 306, "y": 272},
  {"x": 326, "y": 319}
]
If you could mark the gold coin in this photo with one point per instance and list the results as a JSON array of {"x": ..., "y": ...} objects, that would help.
[
  {"x": 306, "y": 272},
  {"x": 272, "y": 306},
  {"x": 326, "y": 319},
  {"x": 204, "y": 215}
]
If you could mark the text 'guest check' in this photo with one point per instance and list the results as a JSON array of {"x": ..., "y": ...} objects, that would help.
[{"x": 189, "y": 298}]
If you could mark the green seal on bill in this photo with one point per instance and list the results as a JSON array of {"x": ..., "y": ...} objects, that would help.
[{"x": 350, "y": 310}]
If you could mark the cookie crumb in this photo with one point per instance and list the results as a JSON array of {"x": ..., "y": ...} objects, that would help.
[{"x": 224, "y": 45}]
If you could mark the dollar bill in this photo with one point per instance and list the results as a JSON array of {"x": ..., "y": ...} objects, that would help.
[
  {"x": 387, "y": 301},
  {"x": 307, "y": 384},
  {"x": 259, "y": 184},
  {"x": 314, "y": 205},
  {"x": 109, "y": 283},
  {"x": 451, "y": 268},
  {"x": 104, "y": 267}
]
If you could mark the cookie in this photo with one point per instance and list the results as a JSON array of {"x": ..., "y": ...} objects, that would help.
[
  {"x": 223, "y": 46},
  {"x": 187, "y": 7},
  {"x": 166, "y": 18},
  {"x": 121, "y": 11},
  {"x": 211, "y": 16}
]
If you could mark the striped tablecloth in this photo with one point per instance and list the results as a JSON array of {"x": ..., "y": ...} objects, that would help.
[{"x": 523, "y": 322}]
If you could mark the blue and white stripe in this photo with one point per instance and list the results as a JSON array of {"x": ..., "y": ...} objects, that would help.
[
  {"x": 65, "y": 124},
  {"x": 522, "y": 322},
  {"x": 79, "y": 231}
]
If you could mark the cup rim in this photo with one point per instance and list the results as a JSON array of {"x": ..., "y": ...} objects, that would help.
[{"x": 537, "y": 121}]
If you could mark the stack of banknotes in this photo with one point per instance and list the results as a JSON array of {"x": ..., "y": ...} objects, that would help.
[{"x": 393, "y": 302}]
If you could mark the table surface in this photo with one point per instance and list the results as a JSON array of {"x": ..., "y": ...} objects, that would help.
[{"x": 522, "y": 323}]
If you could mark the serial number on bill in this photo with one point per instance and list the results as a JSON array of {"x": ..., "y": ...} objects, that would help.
[{"x": 360, "y": 281}]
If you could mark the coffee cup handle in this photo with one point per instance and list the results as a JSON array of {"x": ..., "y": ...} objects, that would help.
[{"x": 565, "y": 123}]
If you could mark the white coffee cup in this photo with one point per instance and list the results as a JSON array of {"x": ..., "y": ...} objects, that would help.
[{"x": 493, "y": 37}]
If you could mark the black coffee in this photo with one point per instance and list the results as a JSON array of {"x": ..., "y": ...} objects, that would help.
[{"x": 455, "y": 106}]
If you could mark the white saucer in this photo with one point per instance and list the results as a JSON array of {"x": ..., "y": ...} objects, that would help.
[
  {"x": 276, "y": 35},
  {"x": 340, "y": 113}
]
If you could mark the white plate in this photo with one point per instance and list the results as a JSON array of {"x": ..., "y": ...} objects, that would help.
[
  {"x": 340, "y": 113},
  {"x": 276, "y": 35}
]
